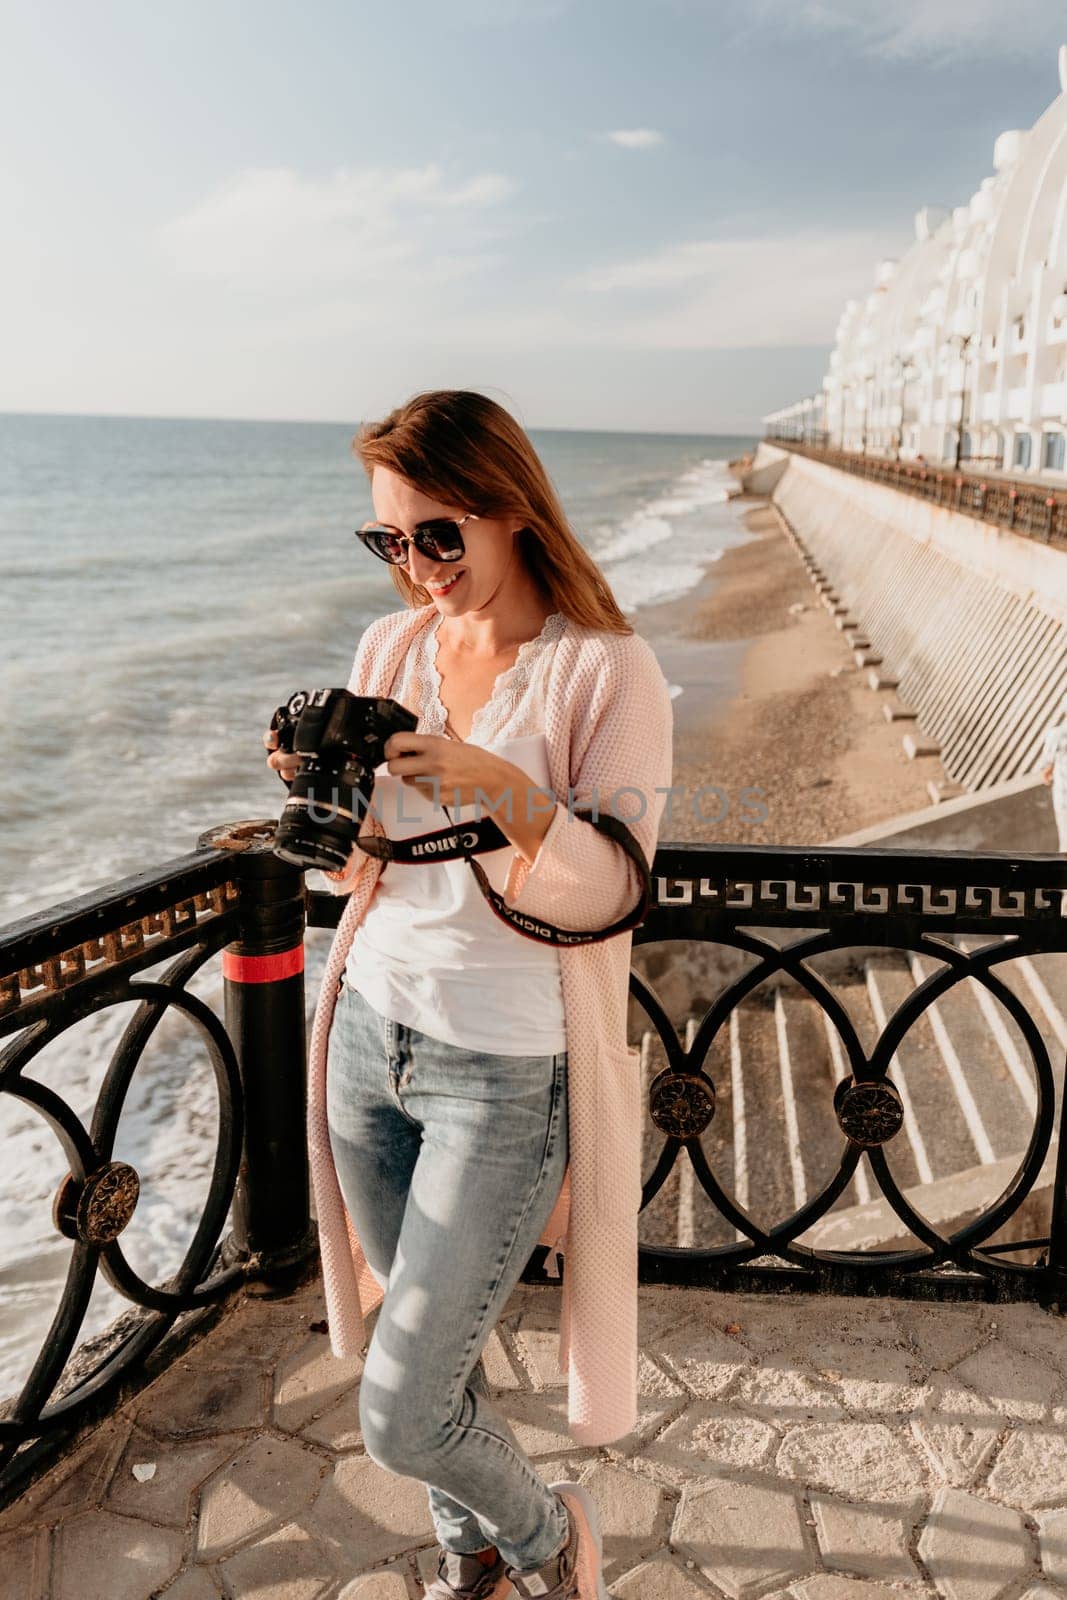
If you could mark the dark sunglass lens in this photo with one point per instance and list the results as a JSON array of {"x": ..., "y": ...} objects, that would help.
[
  {"x": 441, "y": 541},
  {"x": 387, "y": 545}
]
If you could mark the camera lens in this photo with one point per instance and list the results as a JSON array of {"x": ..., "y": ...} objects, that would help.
[{"x": 322, "y": 814}]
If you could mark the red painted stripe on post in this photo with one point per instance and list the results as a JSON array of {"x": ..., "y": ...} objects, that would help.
[{"x": 262, "y": 969}]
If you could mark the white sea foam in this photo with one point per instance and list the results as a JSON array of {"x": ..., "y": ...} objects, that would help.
[{"x": 661, "y": 549}]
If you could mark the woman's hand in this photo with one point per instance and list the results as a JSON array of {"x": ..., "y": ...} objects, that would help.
[
  {"x": 1046, "y": 773},
  {"x": 453, "y": 773},
  {"x": 284, "y": 762}
]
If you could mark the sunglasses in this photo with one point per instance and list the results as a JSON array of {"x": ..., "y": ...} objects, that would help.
[{"x": 439, "y": 539}]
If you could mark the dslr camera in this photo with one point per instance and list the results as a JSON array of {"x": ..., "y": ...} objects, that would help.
[{"x": 341, "y": 738}]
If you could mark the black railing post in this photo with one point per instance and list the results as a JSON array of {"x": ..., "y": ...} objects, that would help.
[
  {"x": 263, "y": 973},
  {"x": 1056, "y": 1263}
]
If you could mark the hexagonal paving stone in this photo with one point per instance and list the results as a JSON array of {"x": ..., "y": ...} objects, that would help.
[
  {"x": 658, "y": 1397},
  {"x": 260, "y": 1333},
  {"x": 191, "y": 1401},
  {"x": 269, "y": 1480},
  {"x": 196, "y": 1584},
  {"x": 1031, "y": 1469},
  {"x": 828, "y": 1586},
  {"x": 743, "y": 1536},
  {"x": 790, "y": 1323},
  {"x": 942, "y": 1335},
  {"x": 865, "y": 1539},
  {"x": 311, "y": 1380},
  {"x": 655, "y": 1384},
  {"x": 872, "y": 1376},
  {"x": 338, "y": 1429},
  {"x": 782, "y": 1390},
  {"x": 661, "y": 1578},
  {"x": 662, "y": 1306},
  {"x": 957, "y": 1429},
  {"x": 180, "y": 1469},
  {"x": 289, "y": 1564},
  {"x": 704, "y": 1359},
  {"x": 539, "y": 1421},
  {"x": 99, "y": 1556},
  {"x": 853, "y": 1459},
  {"x": 1034, "y": 1330},
  {"x": 365, "y": 1514},
  {"x": 1017, "y": 1384},
  {"x": 25, "y": 1563},
  {"x": 376, "y": 1586},
  {"x": 708, "y": 1438},
  {"x": 1054, "y": 1546},
  {"x": 630, "y": 1518},
  {"x": 502, "y": 1371},
  {"x": 974, "y": 1549},
  {"x": 539, "y": 1349},
  {"x": 75, "y": 1484}
]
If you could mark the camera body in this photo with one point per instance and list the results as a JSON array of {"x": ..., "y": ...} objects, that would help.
[{"x": 341, "y": 738}]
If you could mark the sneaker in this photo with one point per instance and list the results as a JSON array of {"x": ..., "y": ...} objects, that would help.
[
  {"x": 466, "y": 1578},
  {"x": 577, "y": 1572}
]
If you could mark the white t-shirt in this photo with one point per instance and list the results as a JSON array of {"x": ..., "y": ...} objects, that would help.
[{"x": 430, "y": 952}]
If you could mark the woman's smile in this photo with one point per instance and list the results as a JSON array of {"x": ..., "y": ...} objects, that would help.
[{"x": 447, "y": 585}]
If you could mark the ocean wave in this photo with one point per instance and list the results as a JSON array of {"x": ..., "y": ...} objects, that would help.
[{"x": 652, "y": 522}]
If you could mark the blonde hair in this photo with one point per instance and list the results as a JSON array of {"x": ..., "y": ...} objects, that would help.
[{"x": 464, "y": 449}]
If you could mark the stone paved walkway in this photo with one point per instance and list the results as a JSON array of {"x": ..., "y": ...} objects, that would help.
[{"x": 816, "y": 1448}]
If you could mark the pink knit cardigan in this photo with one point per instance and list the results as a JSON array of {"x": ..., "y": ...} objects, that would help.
[{"x": 608, "y": 728}]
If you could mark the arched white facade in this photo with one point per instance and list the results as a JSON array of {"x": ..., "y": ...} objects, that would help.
[{"x": 960, "y": 350}]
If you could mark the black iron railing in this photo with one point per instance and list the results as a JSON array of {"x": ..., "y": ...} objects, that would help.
[
  {"x": 232, "y": 896},
  {"x": 1025, "y": 508},
  {"x": 782, "y": 911},
  {"x": 839, "y": 900}
]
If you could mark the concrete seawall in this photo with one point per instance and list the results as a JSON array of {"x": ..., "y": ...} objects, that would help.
[{"x": 969, "y": 618}]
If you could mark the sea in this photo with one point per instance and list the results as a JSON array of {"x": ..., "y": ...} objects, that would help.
[{"x": 164, "y": 585}]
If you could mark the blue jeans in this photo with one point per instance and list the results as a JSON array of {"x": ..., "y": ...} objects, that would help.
[{"x": 450, "y": 1162}]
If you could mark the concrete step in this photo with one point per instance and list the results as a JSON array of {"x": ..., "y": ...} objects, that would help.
[
  {"x": 941, "y": 789},
  {"x": 947, "y": 1204},
  {"x": 916, "y": 745},
  {"x": 895, "y": 711}
]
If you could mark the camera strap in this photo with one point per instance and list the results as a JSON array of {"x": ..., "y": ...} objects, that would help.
[{"x": 468, "y": 839}]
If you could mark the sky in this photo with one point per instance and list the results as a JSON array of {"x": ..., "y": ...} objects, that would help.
[{"x": 604, "y": 213}]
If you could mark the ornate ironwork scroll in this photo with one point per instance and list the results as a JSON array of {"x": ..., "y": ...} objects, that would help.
[
  {"x": 837, "y": 900},
  {"x": 77, "y": 961}
]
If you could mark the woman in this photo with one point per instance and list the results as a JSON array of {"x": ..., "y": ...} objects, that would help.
[{"x": 477, "y": 1094}]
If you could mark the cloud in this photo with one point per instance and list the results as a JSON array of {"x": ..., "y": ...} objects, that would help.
[
  {"x": 635, "y": 138},
  {"x": 940, "y": 31},
  {"x": 426, "y": 259},
  {"x": 936, "y": 31},
  {"x": 785, "y": 289},
  {"x": 276, "y": 231}
]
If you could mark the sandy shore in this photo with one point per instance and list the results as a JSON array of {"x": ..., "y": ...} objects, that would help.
[{"x": 774, "y": 712}]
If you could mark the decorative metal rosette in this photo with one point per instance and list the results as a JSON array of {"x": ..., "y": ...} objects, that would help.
[
  {"x": 97, "y": 1210},
  {"x": 681, "y": 1103},
  {"x": 869, "y": 1113}
]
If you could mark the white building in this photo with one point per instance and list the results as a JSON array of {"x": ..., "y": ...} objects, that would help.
[{"x": 960, "y": 349}]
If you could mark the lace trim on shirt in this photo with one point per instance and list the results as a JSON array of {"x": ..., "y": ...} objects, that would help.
[{"x": 510, "y": 690}]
